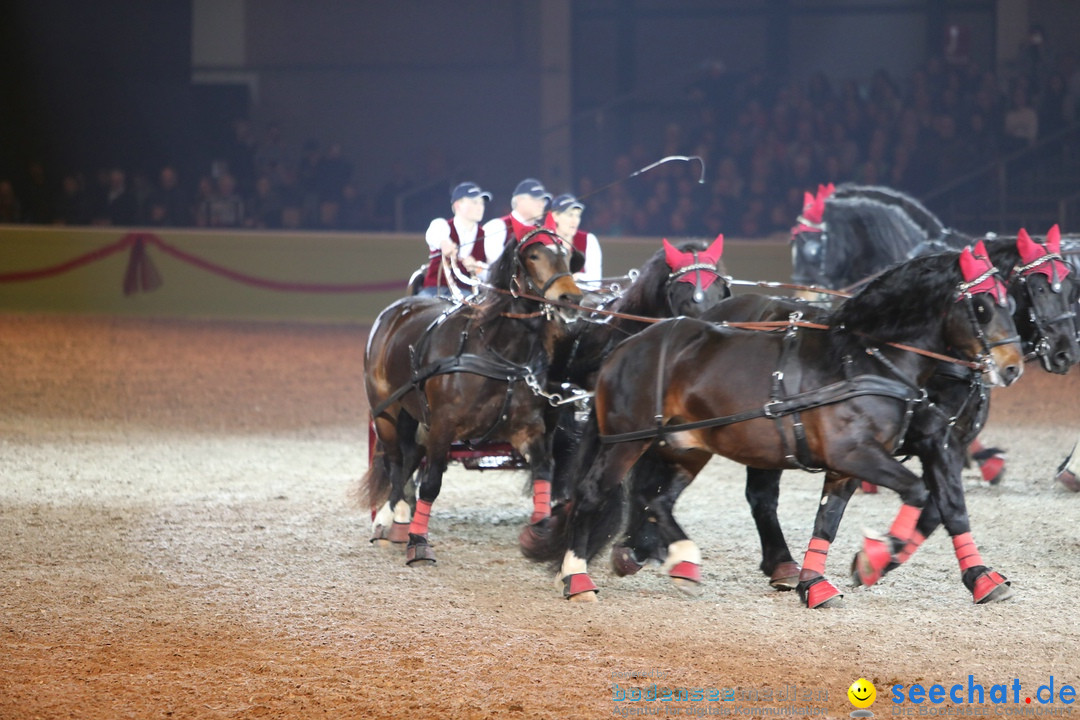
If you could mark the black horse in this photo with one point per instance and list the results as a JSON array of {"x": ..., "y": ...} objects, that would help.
[
  {"x": 1042, "y": 290},
  {"x": 838, "y": 398},
  {"x": 428, "y": 363}
]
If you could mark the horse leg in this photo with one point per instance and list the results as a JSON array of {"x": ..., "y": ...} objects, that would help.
[
  {"x": 763, "y": 495},
  {"x": 815, "y": 591},
  {"x": 418, "y": 551},
  {"x": 991, "y": 461},
  {"x": 595, "y": 515},
  {"x": 392, "y": 521},
  {"x": 650, "y": 485}
]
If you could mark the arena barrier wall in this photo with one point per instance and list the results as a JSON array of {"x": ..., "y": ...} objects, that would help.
[{"x": 254, "y": 275}]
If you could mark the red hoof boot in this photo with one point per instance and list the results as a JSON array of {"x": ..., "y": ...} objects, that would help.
[
  {"x": 989, "y": 587},
  {"x": 686, "y": 576},
  {"x": 991, "y": 464},
  {"x": 869, "y": 488},
  {"x": 785, "y": 576},
  {"x": 871, "y": 562},
  {"x": 577, "y": 584},
  {"x": 419, "y": 552},
  {"x": 623, "y": 561},
  {"x": 819, "y": 593}
]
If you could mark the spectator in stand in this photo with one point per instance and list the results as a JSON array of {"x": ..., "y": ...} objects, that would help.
[
  {"x": 264, "y": 205},
  {"x": 72, "y": 204},
  {"x": 168, "y": 204},
  {"x": 37, "y": 196},
  {"x": 223, "y": 208},
  {"x": 10, "y": 207},
  {"x": 1021, "y": 122},
  {"x": 119, "y": 206}
]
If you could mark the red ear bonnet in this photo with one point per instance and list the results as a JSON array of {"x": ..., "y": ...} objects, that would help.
[
  {"x": 1045, "y": 259},
  {"x": 678, "y": 260},
  {"x": 980, "y": 275}
]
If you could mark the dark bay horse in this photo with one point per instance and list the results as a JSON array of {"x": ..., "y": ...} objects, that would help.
[
  {"x": 838, "y": 398},
  {"x": 1042, "y": 289},
  {"x": 436, "y": 373}
]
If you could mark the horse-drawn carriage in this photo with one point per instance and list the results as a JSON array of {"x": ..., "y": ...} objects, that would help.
[{"x": 481, "y": 371}]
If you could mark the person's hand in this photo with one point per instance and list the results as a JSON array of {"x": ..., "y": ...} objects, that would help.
[
  {"x": 448, "y": 248},
  {"x": 471, "y": 264}
]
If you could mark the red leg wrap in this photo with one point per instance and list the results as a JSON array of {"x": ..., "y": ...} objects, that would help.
[
  {"x": 913, "y": 544},
  {"x": 578, "y": 583},
  {"x": 816, "y": 554},
  {"x": 419, "y": 525},
  {"x": 687, "y": 571},
  {"x": 966, "y": 552},
  {"x": 868, "y": 488},
  {"x": 541, "y": 501},
  {"x": 903, "y": 526}
]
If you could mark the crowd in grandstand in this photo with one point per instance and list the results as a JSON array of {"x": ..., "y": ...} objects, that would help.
[{"x": 764, "y": 144}]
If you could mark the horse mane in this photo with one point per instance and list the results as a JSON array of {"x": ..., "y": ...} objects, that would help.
[
  {"x": 644, "y": 295},
  {"x": 871, "y": 227},
  {"x": 500, "y": 276},
  {"x": 903, "y": 302}
]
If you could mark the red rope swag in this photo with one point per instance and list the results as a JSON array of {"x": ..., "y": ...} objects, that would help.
[{"x": 142, "y": 275}]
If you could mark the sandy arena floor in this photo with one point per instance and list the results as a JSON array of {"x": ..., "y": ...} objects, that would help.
[{"x": 177, "y": 540}]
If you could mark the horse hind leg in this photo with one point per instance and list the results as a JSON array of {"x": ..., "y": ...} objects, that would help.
[
  {"x": 418, "y": 551},
  {"x": 650, "y": 484}
]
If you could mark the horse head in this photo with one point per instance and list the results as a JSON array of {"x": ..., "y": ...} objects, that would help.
[
  {"x": 808, "y": 239},
  {"x": 979, "y": 323},
  {"x": 542, "y": 267},
  {"x": 1044, "y": 290},
  {"x": 691, "y": 287}
]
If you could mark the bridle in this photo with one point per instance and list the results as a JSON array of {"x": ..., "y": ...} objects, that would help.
[
  {"x": 965, "y": 293},
  {"x": 519, "y": 268},
  {"x": 1042, "y": 326},
  {"x": 697, "y": 267}
]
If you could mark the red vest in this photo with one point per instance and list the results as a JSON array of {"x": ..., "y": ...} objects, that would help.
[{"x": 435, "y": 277}]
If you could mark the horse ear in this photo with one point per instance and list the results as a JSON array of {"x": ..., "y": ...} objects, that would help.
[
  {"x": 980, "y": 250},
  {"x": 1029, "y": 251},
  {"x": 1053, "y": 239},
  {"x": 970, "y": 267},
  {"x": 713, "y": 253},
  {"x": 671, "y": 255},
  {"x": 807, "y": 201}
]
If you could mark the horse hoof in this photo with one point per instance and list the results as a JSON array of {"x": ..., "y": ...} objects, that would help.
[
  {"x": 1068, "y": 478},
  {"x": 991, "y": 587},
  {"x": 623, "y": 561},
  {"x": 819, "y": 593},
  {"x": 688, "y": 587},
  {"x": 577, "y": 585},
  {"x": 869, "y": 564},
  {"x": 399, "y": 533},
  {"x": 419, "y": 552},
  {"x": 785, "y": 576},
  {"x": 381, "y": 542}
]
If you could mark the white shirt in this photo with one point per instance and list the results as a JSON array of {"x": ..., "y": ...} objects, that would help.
[
  {"x": 495, "y": 236},
  {"x": 439, "y": 230},
  {"x": 593, "y": 260}
]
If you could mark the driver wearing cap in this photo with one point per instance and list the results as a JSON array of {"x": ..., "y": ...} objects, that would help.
[
  {"x": 527, "y": 206},
  {"x": 459, "y": 239},
  {"x": 565, "y": 220}
]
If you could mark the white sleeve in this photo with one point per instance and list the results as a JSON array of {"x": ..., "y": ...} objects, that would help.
[
  {"x": 437, "y": 231},
  {"x": 494, "y": 239},
  {"x": 594, "y": 260}
]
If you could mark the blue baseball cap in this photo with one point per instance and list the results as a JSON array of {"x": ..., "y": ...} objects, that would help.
[
  {"x": 468, "y": 190},
  {"x": 532, "y": 186},
  {"x": 565, "y": 202}
]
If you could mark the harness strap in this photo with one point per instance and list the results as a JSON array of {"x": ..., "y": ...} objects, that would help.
[{"x": 837, "y": 392}]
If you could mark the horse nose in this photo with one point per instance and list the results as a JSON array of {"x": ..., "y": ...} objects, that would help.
[{"x": 1011, "y": 373}]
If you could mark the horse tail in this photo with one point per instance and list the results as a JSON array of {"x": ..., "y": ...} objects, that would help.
[
  {"x": 374, "y": 488},
  {"x": 604, "y": 517}
]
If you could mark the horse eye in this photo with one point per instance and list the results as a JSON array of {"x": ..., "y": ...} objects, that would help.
[{"x": 982, "y": 313}]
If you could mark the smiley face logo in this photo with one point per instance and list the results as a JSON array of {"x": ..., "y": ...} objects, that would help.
[{"x": 862, "y": 693}]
